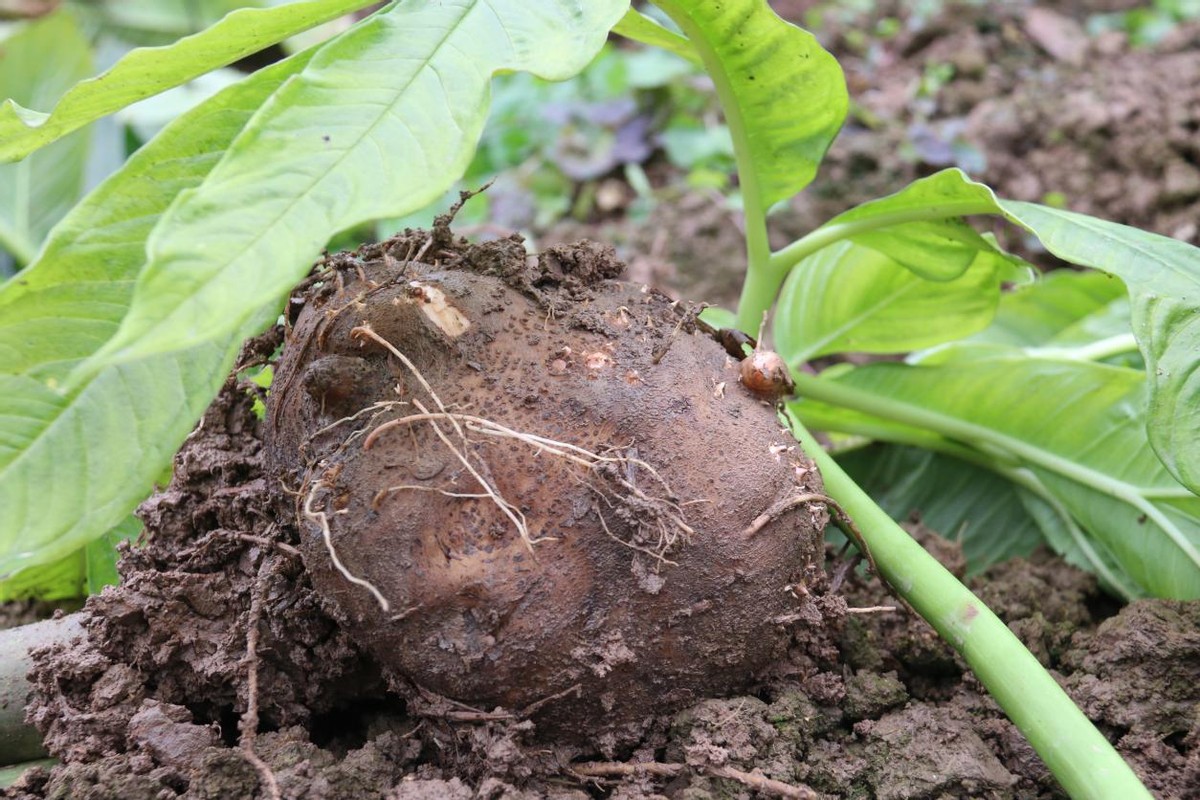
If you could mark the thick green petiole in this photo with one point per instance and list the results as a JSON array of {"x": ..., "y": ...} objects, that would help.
[{"x": 1081, "y": 759}]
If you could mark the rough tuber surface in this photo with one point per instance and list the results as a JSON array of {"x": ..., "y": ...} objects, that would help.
[{"x": 534, "y": 486}]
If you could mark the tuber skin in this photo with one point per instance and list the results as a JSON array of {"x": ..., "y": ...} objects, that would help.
[{"x": 587, "y": 579}]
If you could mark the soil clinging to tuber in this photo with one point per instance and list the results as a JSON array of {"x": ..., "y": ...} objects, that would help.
[{"x": 532, "y": 486}]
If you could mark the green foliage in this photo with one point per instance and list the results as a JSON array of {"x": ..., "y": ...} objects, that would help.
[
  {"x": 62, "y": 441},
  {"x": 851, "y": 298},
  {"x": 146, "y": 72},
  {"x": 964, "y": 502},
  {"x": 78, "y": 574},
  {"x": 736, "y": 40},
  {"x": 1047, "y": 416},
  {"x": 1149, "y": 23},
  {"x": 40, "y": 62},
  {"x": 258, "y": 179}
]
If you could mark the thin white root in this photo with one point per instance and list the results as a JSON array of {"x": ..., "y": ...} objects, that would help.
[
  {"x": 779, "y": 509},
  {"x": 321, "y": 519},
  {"x": 508, "y": 509},
  {"x": 608, "y": 467}
]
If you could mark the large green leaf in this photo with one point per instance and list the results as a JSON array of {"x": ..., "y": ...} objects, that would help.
[
  {"x": 1078, "y": 427},
  {"x": 81, "y": 573},
  {"x": 783, "y": 95},
  {"x": 1162, "y": 277},
  {"x": 850, "y": 298},
  {"x": 920, "y": 227},
  {"x": 40, "y": 61},
  {"x": 380, "y": 121},
  {"x": 164, "y": 21},
  {"x": 957, "y": 484},
  {"x": 1066, "y": 314},
  {"x": 73, "y": 463},
  {"x": 148, "y": 71}
]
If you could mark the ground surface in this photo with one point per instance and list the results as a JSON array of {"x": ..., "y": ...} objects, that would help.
[{"x": 871, "y": 706}]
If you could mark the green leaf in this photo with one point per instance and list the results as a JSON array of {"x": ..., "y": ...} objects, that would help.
[
  {"x": 100, "y": 555},
  {"x": 850, "y": 298},
  {"x": 919, "y": 227},
  {"x": 1077, "y": 427},
  {"x": 1062, "y": 307},
  {"x": 1072, "y": 315},
  {"x": 1059, "y": 528},
  {"x": 64, "y": 579},
  {"x": 382, "y": 119},
  {"x": 162, "y": 21},
  {"x": 1162, "y": 277},
  {"x": 963, "y": 502},
  {"x": 148, "y": 71},
  {"x": 340, "y": 144},
  {"x": 783, "y": 95},
  {"x": 78, "y": 574},
  {"x": 1067, "y": 539},
  {"x": 98, "y": 449},
  {"x": 40, "y": 61}
]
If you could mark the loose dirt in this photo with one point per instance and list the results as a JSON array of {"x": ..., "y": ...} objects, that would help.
[{"x": 157, "y": 701}]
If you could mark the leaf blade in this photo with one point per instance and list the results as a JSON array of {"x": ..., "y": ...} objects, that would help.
[
  {"x": 1163, "y": 279},
  {"x": 41, "y": 61},
  {"x": 148, "y": 71},
  {"x": 796, "y": 112},
  {"x": 850, "y": 298},
  {"x": 48, "y": 326},
  {"x": 1161, "y": 275},
  {"x": 421, "y": 94},
  {"x": 1079, "y": 427}
]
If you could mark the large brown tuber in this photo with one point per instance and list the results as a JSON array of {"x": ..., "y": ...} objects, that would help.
[{"x": 538, "y": 488}]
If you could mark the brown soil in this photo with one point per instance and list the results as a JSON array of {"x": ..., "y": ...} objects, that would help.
[{"x": 157, "y": 701}]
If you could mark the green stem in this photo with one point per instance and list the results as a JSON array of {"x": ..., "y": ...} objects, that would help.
[
  {"x": 1005, "y": 468},
  {"x": 990, "y": 440},
  {"x": 762, "y": 279},
  {"x": 1081, "y": 759}
]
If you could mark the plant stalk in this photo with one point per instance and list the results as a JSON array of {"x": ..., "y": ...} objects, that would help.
[
  {"x": 1006, "y": 468},
  {"x": 1082, "y": 760},
  {"x": 18, "y": 741}
]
